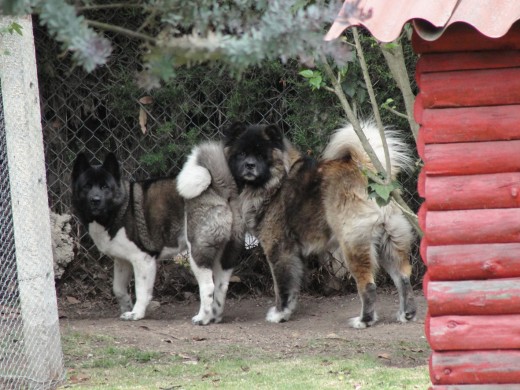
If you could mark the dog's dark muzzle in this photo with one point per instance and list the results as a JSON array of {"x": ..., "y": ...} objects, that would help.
[{"x": 250, "y": 171}]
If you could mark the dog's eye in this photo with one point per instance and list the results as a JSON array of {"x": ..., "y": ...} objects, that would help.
[
  {"x": 242, "y": 154},
  {"x": 104, "y": 187}
]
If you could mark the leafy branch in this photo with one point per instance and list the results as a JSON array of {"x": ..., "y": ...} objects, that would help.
[
  {"x": 177, "y": 33},
  {"x": 380, "y": 184}
]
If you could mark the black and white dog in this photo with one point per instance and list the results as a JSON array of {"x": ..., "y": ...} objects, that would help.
[{"x": 136, "y": 223}]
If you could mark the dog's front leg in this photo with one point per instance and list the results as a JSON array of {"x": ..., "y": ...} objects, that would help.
[
  {"x": 287, "y": 271},
  {"x": 122, "y": 275},
  {"x": 144, "y": 272}
]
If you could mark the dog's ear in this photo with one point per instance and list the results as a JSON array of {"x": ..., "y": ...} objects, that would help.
[
  {"x": 273, "y": 133},
  {"x": 233, "y": 131},
  {"x": 81, "y": 164},
  {"x": 112, "y": 166}
]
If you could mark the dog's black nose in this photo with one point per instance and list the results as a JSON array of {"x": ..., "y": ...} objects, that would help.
[
  {"x": 250, "y": 166},
  {"x": 95, "y": 201}
]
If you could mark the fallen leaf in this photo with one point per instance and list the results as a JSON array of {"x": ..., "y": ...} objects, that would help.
[
  {"x": 234, "y": 279},
  {"x": 146, "y": 100},
  {"x": 143, "y": 118},
  {"x": 209, "y": 374},
  {"x": 384, "y": 356},
  {"x": 72, "y": 300},
  {"x": 197, "y": 338}
]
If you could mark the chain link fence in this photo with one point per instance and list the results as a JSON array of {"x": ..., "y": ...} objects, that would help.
[
  {"x": 151, "y": 133},
  {"x": 12, "y": 352}
]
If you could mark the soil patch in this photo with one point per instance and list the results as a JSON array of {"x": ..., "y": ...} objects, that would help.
[{"x": 318, "y": 327}]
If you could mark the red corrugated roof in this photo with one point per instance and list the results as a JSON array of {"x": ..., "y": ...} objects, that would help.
[{"x": 385, "y": 19}]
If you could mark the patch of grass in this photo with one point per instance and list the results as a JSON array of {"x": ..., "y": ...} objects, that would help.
[{"x": 98, "y": 362}]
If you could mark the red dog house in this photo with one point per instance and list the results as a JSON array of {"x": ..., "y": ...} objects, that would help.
[{"x": 468, "y": 110}]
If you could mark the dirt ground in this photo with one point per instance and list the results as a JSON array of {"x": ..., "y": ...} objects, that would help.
[{"x": 318, "y": 327}]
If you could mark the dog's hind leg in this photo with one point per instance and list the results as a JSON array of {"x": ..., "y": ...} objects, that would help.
[
  {"x": 287, "y": 271},
  {"x": 222, "y": 271},
  {"x": 360, "y": 259},
  {"x": 394, "y": 242},
  {"x": 204, "y": 278},
  {"x": 221, "y": 279},
  {"x": 145, "y": 267},
  {"x": 122, "y": 275}
]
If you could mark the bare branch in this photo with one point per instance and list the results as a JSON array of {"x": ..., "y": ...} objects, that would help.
[
  {"x": 96, "y": 7},
  {"x": 121, "y": 30},
  {"x": 394, "y": 57},
  {"x": 351, "y": 116},
  {"x": 375, "y": 106},
  {"x": 395, "y": 112}
]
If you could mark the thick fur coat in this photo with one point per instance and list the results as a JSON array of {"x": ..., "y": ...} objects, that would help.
[
  {"x": 297, "y": 206},
  {"x": 136, "y": 223}
]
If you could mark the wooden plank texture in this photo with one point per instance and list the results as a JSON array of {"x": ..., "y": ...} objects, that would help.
[
  {"x": 471, "y": 158},
  {"x": 470, "y": 124},
  {"x": 443, "y": 62},
  {"x": 465, "y": 262},
  {"x": 499, "y": 190},
  {"x": 463, "y": 333},
  {"x": 482, "y": 367},
  {"x": 474, "y": 297},
  {"x": 472, "y": 226},
  {"x": 488, "y": 87}
]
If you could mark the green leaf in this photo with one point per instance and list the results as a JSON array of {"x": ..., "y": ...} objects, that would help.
[
  {"x": 15, "y": 27},
  {"x": 307, "y": 73},
  {"x": 381, "y": 192},
  {"x": 349, "y": 89},
  {"x": 316, "y": 82},
  {"x": 390, "y": 45}
]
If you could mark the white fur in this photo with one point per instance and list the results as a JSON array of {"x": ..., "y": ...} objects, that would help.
[
  {"x": 126, "y": 256},
  {"x": 400, "y": 156},
  {"x": 275, "y": 316},
  {"x": 358, "y": 324},
  {"x": 193, "y": 178}
]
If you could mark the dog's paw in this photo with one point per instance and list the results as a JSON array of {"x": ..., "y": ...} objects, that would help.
[
  {"x": 275, "y": 316},
  {"x": 131, "y": 316},
  {"x": 405, "y": 317},
  {"x": 358, "y": 323},
  {"x": 201, "y": 319}
]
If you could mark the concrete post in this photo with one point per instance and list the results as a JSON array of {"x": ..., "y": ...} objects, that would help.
[{"x": 30, "y": 210}]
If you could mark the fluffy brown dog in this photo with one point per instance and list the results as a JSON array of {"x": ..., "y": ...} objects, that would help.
[{"x": 297, "y": 206}]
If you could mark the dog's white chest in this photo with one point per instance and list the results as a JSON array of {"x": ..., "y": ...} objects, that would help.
[{"x": 119, "y": 246}]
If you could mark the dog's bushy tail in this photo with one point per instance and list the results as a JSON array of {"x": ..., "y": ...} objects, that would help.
[
  {"x": 206, "y": 166},
  {"x": 345, "y": 142}
]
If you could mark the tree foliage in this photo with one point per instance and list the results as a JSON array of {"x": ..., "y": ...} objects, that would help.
[{"x": 177, "y": 32}]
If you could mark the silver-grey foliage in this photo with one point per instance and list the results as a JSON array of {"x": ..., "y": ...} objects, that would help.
[{"x": 178, "y": 32}]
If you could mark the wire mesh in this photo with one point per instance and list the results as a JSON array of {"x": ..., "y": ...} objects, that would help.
[
  {"x": 17, "y": 367},
  {"x": 151, "y": 133},
  {"x": 11, "y": 327}
]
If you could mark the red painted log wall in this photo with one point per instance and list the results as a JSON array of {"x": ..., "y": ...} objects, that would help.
[
  {"x": 472, "y": 262},
  {"x": 475, "y": 367},
  {"x": 468, "y": 110}
]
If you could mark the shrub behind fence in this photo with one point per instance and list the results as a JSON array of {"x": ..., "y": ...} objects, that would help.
[{"x": 151, "y": 133}]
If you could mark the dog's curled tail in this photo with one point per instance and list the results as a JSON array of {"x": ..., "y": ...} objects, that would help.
[
  {"x": 206, "y": 166},
  {"x": 345, "y": 142}
]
